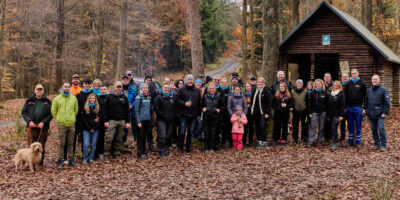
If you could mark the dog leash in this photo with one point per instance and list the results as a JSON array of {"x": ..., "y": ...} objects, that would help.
[{"x": 29, "y": 138}]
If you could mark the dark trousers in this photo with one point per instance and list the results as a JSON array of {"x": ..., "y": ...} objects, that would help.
[
  {"x": 147, "y": 127},
  {"x": 343, "y": 128},
  {"x": 248, "y": 129},
  {"x": 40, "y": 137},
  {"x": 334, "y": 122},
  {"x": 328, "y": 133},
  {"x": 226, "y": 129},
  {"x": 281, "y": 120},
  {"x": 210, "y": 135},
  {"x": 300, "y": 117},
  {"x": 261, "y": 126},
  {"x": 189, "y": 123},
  {"x": 100, "y": 142},
  {"x": 164, "y": 130},
  {"x": 174, "y": 134}
]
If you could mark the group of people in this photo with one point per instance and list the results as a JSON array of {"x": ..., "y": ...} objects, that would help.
[{"x": 208, "y": 110}]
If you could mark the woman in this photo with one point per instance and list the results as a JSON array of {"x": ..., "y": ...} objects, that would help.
[
  {"x": 91, "y": 118},
  {"x": 237, "y": 99},
  {"x": 199, "y": 123},
  {"x": 336, "y": 105},
  {"x": 96, "y": 86},
  {"x": 248, "y": 128},
  {"x": 317, "y": 107},
  {"x": 225, "y": 123},
  {"x": 282, "y": 102},
  {"x": 174, "y": 135},
  {"x": 179, "y": 84},
  {"x": 143, "y": 119},
  {"x": 211, "y": 107},
  {"x": 299, "y": 94},
  {"x": 260, "y": 109}
]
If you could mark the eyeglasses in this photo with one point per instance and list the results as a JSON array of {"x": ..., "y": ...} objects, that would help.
[
  {"x": 119, "y": 86},
  {"x": 40, "y": 89},
  {"x": 129, "y": 75}
]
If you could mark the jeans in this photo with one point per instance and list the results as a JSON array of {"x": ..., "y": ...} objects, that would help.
[
  {"x": 317, "y": 120},
  {"x": 343, "y": 128},
  {"x": 184, "y": 122},
  {"x": 198, "y": 129},
  {"x": 378, "y": 131},
  {"x": 300, "y": 117},
  {"x": 89, "y": 139},
  {"x": 164, "y": 130},
  {"x": 354, "y": 116}
]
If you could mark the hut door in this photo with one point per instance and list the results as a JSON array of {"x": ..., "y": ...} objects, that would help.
[{"x": 327, "y": 63}]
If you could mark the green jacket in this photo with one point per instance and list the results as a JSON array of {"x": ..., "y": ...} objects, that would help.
[
  {"x": 64, "y": 109},
  {"x": 300, "y": 102}
]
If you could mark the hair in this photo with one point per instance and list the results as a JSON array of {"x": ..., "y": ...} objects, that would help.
[
  {"x": 287, "y": 92},
  {"x": 96, "y": 81},
  {"x": 326, "y": 73},
  {"x": 177, "y": 83},
  {"x": 64, "y": 82},
  {"x": 321, "y": 81},
  {"x": 354, "y": 69},
  {"x": 339, "y": 84},
  {"x": 97, "y": 107},
  {"x": 347, "y": 74}
]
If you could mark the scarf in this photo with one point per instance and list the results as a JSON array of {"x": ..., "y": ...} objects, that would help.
[
  {"x": 282, "y": 94},
  {"x": 104, "y": 94},
  {"x": 299, "y": 90},
  {"x": 146, "y": 95},
  {"x": 309, "y": 91},
  {"x": 86, "y": 91},
  {"x": 224, "y": 88},
  {"x": 334, "y": 93},
  {"x": 248, "y": 94},
  {"x": 212, "y": 96},
  {"x": 237, "y": 95},
  {"x": 345, "y": 82},
  {"x": 64, "y": 93},
  {"x": 96, "y": 91},
  {"x": 217, "y": 86},
  {"x": 165, "y": 94},
  {"x": 258, "y": 92},
  {"x": 239, "y": 115},
  {"x": 318, "y": 90},
  {"x": 92, "y": 105},
  {"x": 355, "y": 80}
]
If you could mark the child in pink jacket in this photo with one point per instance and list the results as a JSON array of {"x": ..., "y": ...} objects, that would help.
[{"x": 238, "y": 120}]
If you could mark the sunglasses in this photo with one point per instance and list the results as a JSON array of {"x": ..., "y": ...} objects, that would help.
[{"x": 129, "y": 75}]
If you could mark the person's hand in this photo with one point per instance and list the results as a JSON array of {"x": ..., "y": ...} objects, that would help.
[
  {"x": 204, "y": 109},
  {"x": 188, "y": 104},
  {"x": 96, "y": 119},
  {"x": 283, "y": 105},
  {"x": 107, "y": 125},
  {"x": 363, "y": 112},
  {"x": 310, "y": 115},
  {"x": 383, "y": 116},
  {"x": 31, "y": 124},
  {"x": 130, "y": 106},
  {"x": 41, "y": 124},
  {"x": 92, "y": 131},
  {"x": 218, "y": 110},
  {"x": 127, "y": 125},
  {"x": 198, "y": 118},
  {"x": 266, "y": 116},
  {"x": 340, "y": 118},
  {"x": 139, "y": 125}
]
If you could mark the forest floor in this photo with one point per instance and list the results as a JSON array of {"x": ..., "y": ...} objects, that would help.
[{"x": 290, "y": 172}]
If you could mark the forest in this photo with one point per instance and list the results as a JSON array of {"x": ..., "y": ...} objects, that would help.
[{"x": 46, "y": 41}]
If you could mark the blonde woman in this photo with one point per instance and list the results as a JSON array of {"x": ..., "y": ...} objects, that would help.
[
  {"x": 96, "y": 86},
  {"x": 336, "y": 105},
  {"x": 317, "y": 107},
  {"x": 91, "y": 118}
]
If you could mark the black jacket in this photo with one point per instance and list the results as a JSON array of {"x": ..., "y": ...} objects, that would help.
[
  {"x": 276, "y": 104},
  {"x": 266, "y": 101},
  {"x": 88, "y": 119},
  {"x": 185, "y": 94},
  {"x": 28, "y": 111},
  {"x": 81, "y": 97},
  {"x": 336, "y": 105},
  {"x": 164, "y": 107},
  {"x": 318, "y": 102},
  {"x": 355, "y": 93},
  {"x": 211, "y": 105},
  {"x": 116, "y": 108},
  {"x": 377, "y": 102},
  {"x": 275, "y": 86}
]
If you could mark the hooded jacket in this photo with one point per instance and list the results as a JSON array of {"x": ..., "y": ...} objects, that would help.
[
  {"x": 233, "y": 101},
  {"x": 64, "y": 109},
  {"x": 143, "y": 108}
]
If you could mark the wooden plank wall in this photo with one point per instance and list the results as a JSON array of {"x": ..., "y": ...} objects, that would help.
[{"x": 396, "y": 85}]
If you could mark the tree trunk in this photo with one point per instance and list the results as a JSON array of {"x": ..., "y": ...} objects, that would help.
[
  {"x": 271, "y": 44},
  {"x": 295, "y": 14},
  {"x": 100, "y": 40},
  {"x": 366, "y": 13},
  {"x": 330, "y": 1},
  {"x": 379, "y": 8},
  {"x": 253, "y": 39},
  {"x": 60, "y": 41},
  {"x": 244, "y": 38},
  {"x": 196, "y": 47},
  {"x": 122, "y": 40},
  {"x": 2, "y": 50}
]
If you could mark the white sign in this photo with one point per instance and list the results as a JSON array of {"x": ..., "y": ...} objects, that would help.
[{"x": 326, "y": 40}]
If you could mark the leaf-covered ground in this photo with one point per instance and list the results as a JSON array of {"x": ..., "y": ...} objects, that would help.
[{"x": 290, "y": 172}]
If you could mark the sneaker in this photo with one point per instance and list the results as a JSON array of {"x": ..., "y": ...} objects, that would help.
[
  {"x": 90, "y": 161},
  {"x": 180, "y": 152},
  {"x": 84, "y": 162},
  {"x": 72, "y": 163},
  {"x": 60, "y": 164},
  {"x": 212, "y": 151},
  {"x": 265, "y": 145},
  {"x": 358, "y": 146},
  {"x": 283, "y": 142},
  {"x": 101, "y": 156},
  {"x": 259, "y": 145},
  {"x": 382, "y": 149},
  {"x": 334, "y": 146},
  {"x": 143, "y": 157},
  {"x": 66, "y": 162}
]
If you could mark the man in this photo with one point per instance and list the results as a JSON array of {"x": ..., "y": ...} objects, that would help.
[
  {"x": 216, "y": 80},
  {"x": 345, "y": 80},
  {"x": 234, "y": 83},
  {"x": 253, "y": 83},
  {"x": 130, "y": 92},
  {"x": 75, "y": 89},
  {"x": 64, "y": 111},
  {"x": 131, "y": 81},
  {"x": 280, "y": 77},
  {"x": 355, "y": 93},
  {"x": 166, "y": 81},
  {"x": 328, "y": 82},
  {"x": 202, "y": 77},
  {"x": 37, "y": 115},
  {"x": 377, "y": 106},
  {"x": 152, "y": 89},
  {"x": 100, "y": 141},
  {"x": 116, "y": 118},
  {"x": 188, "y": 101}
]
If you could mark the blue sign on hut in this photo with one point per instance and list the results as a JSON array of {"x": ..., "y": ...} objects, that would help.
[{"x": 327, "y": 37}]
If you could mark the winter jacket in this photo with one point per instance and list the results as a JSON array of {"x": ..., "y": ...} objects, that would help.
[
  {"x": 116, "y": 107},
  {"x": 328, "y": 87},
  {"x": 88, "y": 119},
  {"x": 276, "y": 104},
  {"x": 131, "y": 95},
  {"x": 82, "y": 97},
  {"x": 44, "y": 106},
  {"x": 266, "y": 101},
  {"x": 164, "y": 107},
  {"x": 355, "y": 93},
  {"x": 377, "y": 102},
  {"x": 236, "y": 127},
  {"x": 143, "y": 108},
  {"x": 75, "y": 89},
  {"x": 318, "y": 102},
  {"x": 134, "y": 85},
  {"x": 275, "y": 86},
  {"x": 234, "y": 101},
  {"x": 185, "y": 94},
  {"x": 299, "y": 99},
  {"x": 211, "y": 105},
  {"x": 102, "y": 100},
  {"x": 336, "y": 105},
  {"x": 64, "y": 109}
]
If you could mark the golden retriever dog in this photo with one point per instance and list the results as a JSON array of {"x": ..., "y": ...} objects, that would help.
[{"x": 31, "y": 155}]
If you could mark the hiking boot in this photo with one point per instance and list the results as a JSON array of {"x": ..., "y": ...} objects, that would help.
[
  {"x": 334, "y": 146},
  {"x": 72, "y": 163},
  {"x": 358, "y": 146},
  {"x": 143, "y": 157},
  {"x": 84, "y": 162},
  {"x": 101, "y": 156},
  {"x": 60, "y": 164},
  {"x": 188, "y": 150},
  {"x": 382, "y": 149},
  {"x": 180, "y": 152},
  {"x": 259, "y": 145},
  {"x": 265, "y": 145}
]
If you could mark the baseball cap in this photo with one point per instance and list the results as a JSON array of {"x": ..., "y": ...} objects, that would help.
[
  {"x": 253, "y": 78},
  {"x": 75, "y": 76},
  {"x": 39, "y": 86},
  {"x": 118, "y": 83},
  {"x": 128, "y": 73}
]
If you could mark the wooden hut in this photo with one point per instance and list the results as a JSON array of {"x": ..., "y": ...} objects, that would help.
[{"x": 329, "y": 36}]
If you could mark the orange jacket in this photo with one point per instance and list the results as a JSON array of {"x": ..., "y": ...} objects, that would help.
[{"x": 75, "y": 89}]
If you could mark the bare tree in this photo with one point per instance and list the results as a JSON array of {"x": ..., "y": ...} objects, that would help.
[
  {"x": 366, "y": 13},
  {"x": 379, "y": 7},
  {"x": 195, "y": 37},
  {"x": 2, "y": 57},
  {"x": 244, "y": 38},
  {"x": 60, "y": 40},
  {"x": 271, "y": 44},
  {"x": 253, "y": 38},
  {"x": 295, "y": 19},
  {"x": 122, "y": 40}
]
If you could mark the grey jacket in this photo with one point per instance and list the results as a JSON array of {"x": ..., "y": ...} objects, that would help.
[
  {"x": 143, "y": 108},
  {"x": 234, "y": 101}
]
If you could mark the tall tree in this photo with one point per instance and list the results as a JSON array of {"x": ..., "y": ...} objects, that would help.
[
  {"x": 379, "y": 7},
  {"x": 195, "y": 37},
  {"x": 366, "y": 13},
  {"x": 253, "y": 38},
  {"x": 122, "y": 40},
  {"x": 2, "y": 50},
  {"x": 60, "y": 41},
  {"x": 271, "y": 44},
  {"x": 295, "y": 19},
  {"x": 244, "y": 38}
]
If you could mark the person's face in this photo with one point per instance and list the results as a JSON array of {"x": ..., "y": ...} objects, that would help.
[
  {"x": 248, "y": 87},
  {"x": 118, "y": 88},
  {"x": 167, "y": 81},
  {"x": 327, "y": 78},
  {"x": 237, "y": 91},
  {"x": 145, "y": 89},
  {"x": 125, "y": 81},
  {"x": 216, "y": 80},
  {"x": 234, "y": 81},
  {"x": 309, "y": 86},
  {"x": 129, "y": 76},
  {"x": 39, "y": 92},
  {"x": 103, "y": 90},
  {"x": 166, "y": 89},
  {"x": 253, "y": 82},
  {"x": 171, "y": 86},
  {"x": 260, "y": 84},
  {"x": 86, "y": 85},
  {"x": 299, "y": 85},
  {"x": 239, "y": 111},
  {"x": 180, "y": 84},
  {"x": 280, "y": 75},
  {"x": 66, "y": 87},
  {"x": 190, "y": 82},
  {"x": 148, "y": 81},
  {"x": 92, "y": 99},
  {"x": 76, "y": 81},
  {"x": 203, "y": 79},
  {"x": 375, "y": 80},
  {"x": 224, "y": 83},
  {"x": 96, "y": 85},
  {"x": 345, "y": 78},
  {"x": 282, "y": 87},
  {"x": 354, "y": 74},
  {"x": 318, "y": 85},
  {"x": 198, "y": 85},
  {"x": 335, "y": 87},
  {"x": 211, "y": 90}
]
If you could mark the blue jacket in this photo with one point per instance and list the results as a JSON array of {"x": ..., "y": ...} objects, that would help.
[
  {"x": 377, "y": 101},
  {"x": 142, "y": 108},
  {"x": 131, "y": 95}
]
